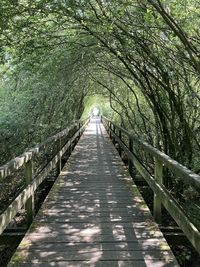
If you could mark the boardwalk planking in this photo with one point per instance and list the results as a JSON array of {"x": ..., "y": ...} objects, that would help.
[{"x": 94, "y": 215}]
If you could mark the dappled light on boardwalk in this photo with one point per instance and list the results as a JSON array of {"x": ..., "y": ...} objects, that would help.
[{"x": 91, "y": 217}]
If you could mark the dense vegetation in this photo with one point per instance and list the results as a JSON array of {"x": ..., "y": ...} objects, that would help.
[{"x": 138, "y": 59}]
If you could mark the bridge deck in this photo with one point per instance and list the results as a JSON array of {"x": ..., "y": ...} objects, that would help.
[{"x": 94, "y": 215}]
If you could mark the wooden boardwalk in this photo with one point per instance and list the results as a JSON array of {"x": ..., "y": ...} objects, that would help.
[{"x": 94, "y": 215}]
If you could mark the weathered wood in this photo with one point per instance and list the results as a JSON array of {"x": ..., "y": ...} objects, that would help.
[
  {"x": 109, "y": 127},
  {"x": 113, "y": 136},
  {"x": 29, "y": 206},
  {"x": 187, "y": 175},
  {"x": 168, "y": 201},
  {"x": 101, "y": 263},
  {"x": 19, "y": 161},
  {"x": 157, "y": 205},
  {"x": 21, "y": 199},
  {"x": 94, "y": 215},
  {"x": 120, "y": 137},
  {"x": 59, "y": 164},
  {"x": 79, "y": 126},
  {"x": 130, "y": 163},
  {"x": 87, "y": 254}
]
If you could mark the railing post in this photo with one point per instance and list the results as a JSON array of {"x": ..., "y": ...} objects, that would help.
[
  {"x": 60, "y": 157},
  {"x": 120, "y": 137},
  {"x": 106, "y": 124},
  {"x": 79, "y": 127},
  {"x": 130, "y": 163},
  {"x": 157, "y": 206},
  {"x": 110, "y": 128},
  {"x": 114, "y": 131},
  {"x": 59, "y": 163},
  {"x": 29, "y": 206}
]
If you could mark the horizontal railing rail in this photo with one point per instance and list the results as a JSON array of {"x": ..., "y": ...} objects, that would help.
[
  {"x": 161, "y": 194},
  {"x": 19, "y": 161},
  {"x": 26, "y": 195}
]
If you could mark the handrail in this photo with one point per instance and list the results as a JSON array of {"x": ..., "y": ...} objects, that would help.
[
  {"x": 19, "y": 161},
  {"x": 26, "y": 195},
  {"x": 161, "y": 193},
  {"x": 189, "y": 176}
]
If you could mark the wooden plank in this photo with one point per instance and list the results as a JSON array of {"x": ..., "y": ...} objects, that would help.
[
  {"x": 88, "y": 253},
  {"x": 94, "y": 219},
  {"x": 141, "y": 245},
  {"x": 96, "y": 214},
  {"x": 101, "y": 263}
]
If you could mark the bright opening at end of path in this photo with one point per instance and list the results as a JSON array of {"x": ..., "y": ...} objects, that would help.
[{"x": 95, "y": 112}]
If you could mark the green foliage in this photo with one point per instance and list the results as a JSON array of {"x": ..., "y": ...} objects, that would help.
[
  {"x": 39, "y": 98},
  {"x": 141, "y": 56},
  {"x": 97, "y": 101},
  {"x": 137, "y": 61}
]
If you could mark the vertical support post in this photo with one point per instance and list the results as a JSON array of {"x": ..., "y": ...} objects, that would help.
[
  {"x": 79, "y": 127},
  {"x": 130, "y": 163},
  {"x": 71, "y": 143},
  {"x": 120, "y": 137},
  {"x": 114, "y": 131},
  {"x": 107, "y": 126},
  {"x": 110, "y": 128},
  {"x": 157, "y": 203},
  {"x": 59, "y": 163},
  {"x": 60, "y": 157},
  {"x": 29, "y": 206}
]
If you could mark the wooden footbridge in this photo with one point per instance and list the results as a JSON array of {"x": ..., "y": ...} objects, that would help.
[{"x": 94, "y": 214}]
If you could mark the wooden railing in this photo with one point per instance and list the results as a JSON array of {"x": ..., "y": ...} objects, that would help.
[
  {"x": 161, "y": 194},
  {"x": 63, "y": 141}
]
